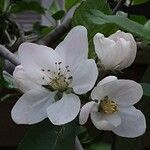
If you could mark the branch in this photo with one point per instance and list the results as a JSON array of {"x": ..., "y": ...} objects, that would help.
[
  {"x": 53, "y": 36},
  {"x": 6, "y": 54},
  {"x": 119, "y": 4},
  {"x": 140, "y": 9}
]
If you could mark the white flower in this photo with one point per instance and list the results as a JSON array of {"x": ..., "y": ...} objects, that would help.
[
  {"x": 118, "y": 51},
  {"x": 113, "y": 107},
  {"x": 44, "y": 72}
]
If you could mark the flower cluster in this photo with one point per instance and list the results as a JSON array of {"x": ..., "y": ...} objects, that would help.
[{"x": 53, "y": 80}]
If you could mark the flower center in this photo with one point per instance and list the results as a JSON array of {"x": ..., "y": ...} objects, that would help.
[
  {"x": 59, "y": 79},
  {"x": 107, "y": 106}
]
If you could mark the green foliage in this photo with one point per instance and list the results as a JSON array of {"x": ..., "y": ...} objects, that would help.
[
  {"x": 59, "y": 15},
  {"x": 80, "y": 18},
  {"x": 2, "y": 81},
  {"x": 41, "y": 30},
  {"x": 140, "y": 1},
  {"x": 71, "y": 3},
  {"x": 97, "y": 17},
  {"x": 100, "y": 146},
  {"x": 21, "y": 6},
  {"x": 45, "y": 136},
  {"x": 146, "y": 89}
]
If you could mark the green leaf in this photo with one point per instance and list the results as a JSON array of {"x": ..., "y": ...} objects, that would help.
[
  {"x": 140, "y": 1},
  {"x": 3, "y": 83},
  {"x": 58, "y": 15},
  {"x": 41, "y": 30},
  {"x": 146, "y": 89},
  {"x": 97, "y": 17},
  {"x": 80, "y": 18},
  {"x": 21, "y": 6},
  {"x": 100, "y": 146},
  {"x": 9, "y": 79},
  {"x": 45, "y": 136},
  {"x": 71, "y": 3}
]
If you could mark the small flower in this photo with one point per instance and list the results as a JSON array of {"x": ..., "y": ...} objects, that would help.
[
  {"x": 118, "y": 51},
  {"x": 112, "y": 108},
  {"x": 44, "y": 73}
]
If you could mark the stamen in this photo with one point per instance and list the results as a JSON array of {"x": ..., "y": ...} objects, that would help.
[
  {"x": 107, "y": 106},
  {"x": 60, "y": 78}
]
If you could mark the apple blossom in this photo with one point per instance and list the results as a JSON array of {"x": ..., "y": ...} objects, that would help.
[
  {"x": 45, "y": 72},
  {"x": 118, "y": 51},
  {"x": 112, "y": 107}
]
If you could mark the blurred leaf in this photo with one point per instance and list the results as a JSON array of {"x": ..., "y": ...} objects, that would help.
[
  {"x": 3, "y": 83},
  {"x": 146, "y": 77},
  {"x": 80, "y": 18},
  {"x": 41, "y": 30},
  {"x": 21, "y": 6},
  {"x": 147, "y": 24},
  {"x": 2, "y": 5},
  {"x": 140, "y": 1},
  {"x": 71, "y": 3},
  {"x": 45, "y": 136},
  {"x": 138, "y": 18},
  {"x": 146, "y": 89},
  {"x": 8, "y": 97},
  {"x": 54, "y": 7},
  {"x": 58, "y": 15},
  {"x": 9, "y": 79},
  {"x": 100, "y": 146},
  {"x": 97, "y": 17}
]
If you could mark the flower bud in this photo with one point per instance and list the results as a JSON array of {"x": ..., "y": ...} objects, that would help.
[{"x": 118, "y": 51}]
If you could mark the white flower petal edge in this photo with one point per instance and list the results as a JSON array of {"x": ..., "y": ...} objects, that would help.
[
  {"x": 31, "y": 107},
  {"x": 128, "y": 37},
  {"x": 106, "y": 80},
  {"x": 114, "y": 110},
  {"x": 124, "y": 92},
  {"x": 36, "y": 57},
  {"x": 105, "y": 122},
  {"x": 84, "y": 76},
  {"x": 64, "y": 110},
  {"x": 85, "y": 112},
  {"x": 74, "y": 48},
  {"x": 22, "y": 81},
  {"x": 118, "y": 51},
  {"x": 133, "y": 123}
]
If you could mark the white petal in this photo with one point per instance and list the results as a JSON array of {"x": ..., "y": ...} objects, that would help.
[
  {"x": 106, "y": 80},
  {"x": 111, "y": 53},
  {"x": 85, "y": 111},
  {"x": 34, "y": 58},
  {"x": 31, "y": 107},
  {"x": 64, "y": 110},
  {"x": 84, "y": 76},
  {"x": 128, "y": 37},
  {"x": 74, "y": 48},
  {"x": 127, "y": 92},
  {"x": 104, "y": 121},
  {"x": 104, "y": 50},
  {"x": 98, "y": 93},
  {"x": 22, "y": 81},
  {"x": 123, "y": 92},
  {"x": 133, "y": 123}
]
